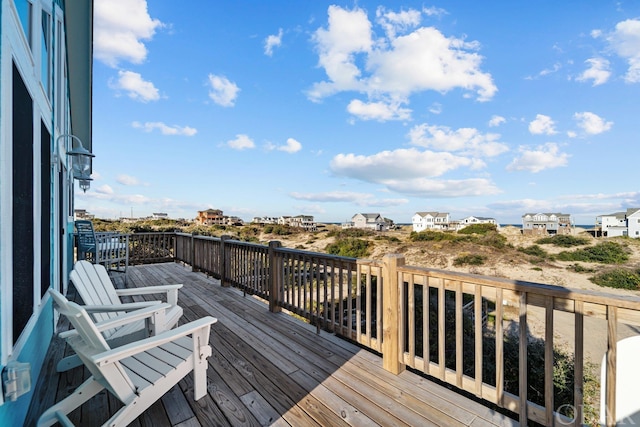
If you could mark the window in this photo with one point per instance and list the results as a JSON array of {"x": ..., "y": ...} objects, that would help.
[
  {"x": 25, "y": 11},
  {"x": 45, "y": 53},
  {"x": 23, "y": 205}
]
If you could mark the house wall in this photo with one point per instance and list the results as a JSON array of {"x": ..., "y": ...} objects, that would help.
[
  {"x": 633, "y": 223},
  {"x": 31, "y": 79}
]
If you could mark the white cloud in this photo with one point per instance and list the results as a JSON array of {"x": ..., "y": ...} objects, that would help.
[
  {"x": 242, "y": 142},
  {"x": 136, "y": 87},
  {"x": 592, "y": 124},
  {"x": 435, "y": 108},
  {"x": 424, "y": 187},
  {"x": 127, "y": 180},
  {"x": 380, "y": 111},
  {"x": 396, "y": 165},
  {"x": 393, "y": 22},
  {"x": 389, "y": 69},
  {"x": 223, "y": 92},
  {"x": 625, "y": 41},
  {"x": 547, "y": 71},
  {"x": 291, "y": 146},
  {"x": 165, "y": 129},
  {"x": 598, "y": 71},
  {"x": 496, "y": 121},
  {"x": 119, "y": 29},
  {"x": 468, "y": 141},
  {"x": 104, "y": 189},
  {"x": 358, "y": 199},
  {"x": 271, "y": 42},
  {"x": 542, "y": 125},
  {"x": 546, "y": 156},
  {"x": 434, "y": 11}
]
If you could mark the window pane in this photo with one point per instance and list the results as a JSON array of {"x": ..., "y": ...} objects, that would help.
[
  {"x": 24, "y": 12},
  {"x": 44, "y": 52}
]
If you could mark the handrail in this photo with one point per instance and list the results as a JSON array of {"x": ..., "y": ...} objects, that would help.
[{"x": 438, "y": 322}]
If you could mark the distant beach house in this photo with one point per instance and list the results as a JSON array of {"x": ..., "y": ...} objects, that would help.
[
  {"x": 620, "y": 224},
  {"x": 306, "y": 222},
  {"x": 546, "y": 223},
  {"x": 210, "y": 217},
  {"x": 159, "y": 215},
  {"x": 216, "y": 217},
  {"x": 303, "y": 221},
  {"x": 430, "y": 221},
  {"x": 372, "y": 221},
  {"x": 462, "y": 223},
  {"x": 264, "y": 220}
]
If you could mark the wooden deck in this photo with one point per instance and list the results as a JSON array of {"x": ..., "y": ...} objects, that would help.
[{"x": 270, "y": 369}]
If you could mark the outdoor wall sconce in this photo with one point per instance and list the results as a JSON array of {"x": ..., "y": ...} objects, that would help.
[{"x": 81, "y": 160}]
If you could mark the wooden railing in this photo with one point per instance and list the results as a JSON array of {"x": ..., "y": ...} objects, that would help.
[
  {"x": 451, "y": 326},
  {"x": 149, "y": 248}
]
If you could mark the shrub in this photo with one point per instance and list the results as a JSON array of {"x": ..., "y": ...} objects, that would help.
[
  {"x": 350, "y": 232},
  {"x": 534, "y": 250},
  {"x": 391, "y": 239},
  {"x": 492, "y": 239},
  {"x": 605, "y": 253},
  {"x": 563, "y": 241},
  {"x": 281, "y": 230},
  {"x": 349, "y": 247},
  {"x": 620, "y": 278},
  {"x": 469, "y": 259},
  {"x": 478, "y": 229},
  {"x": 436, "y": 236},
  {"x": 580, "y": 269}
]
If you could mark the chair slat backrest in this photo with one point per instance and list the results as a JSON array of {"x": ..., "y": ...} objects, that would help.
[
  {"x": 90, "y": 342},
  {"x": 79, "y": 318},
  {"x": 95, "y": 287},
  {"x": 86, "y": 238}
]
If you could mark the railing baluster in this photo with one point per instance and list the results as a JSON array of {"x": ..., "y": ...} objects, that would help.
[
  {"x": 426, "y": 324},
  {"x": 548, "y": 361},
  {"x": 411, "y": 316},
  {"x": 478, "y": 335},
  {"x": 522, "y": 360},
  {"x": 612, "y": 333},
  {"x": 441, "y": 331},
  {"x": 578, "y": 370},
  {"x": 459, "y": 338},
  {"x": 499, "y": 348}
]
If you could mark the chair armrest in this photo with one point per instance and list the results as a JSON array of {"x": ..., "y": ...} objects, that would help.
[
  {"x": 147, "y": 290},
  {"x": 123, "y": 319},
  {"x": 129, "y": 306},
  {"x": 128, "y": 350}
]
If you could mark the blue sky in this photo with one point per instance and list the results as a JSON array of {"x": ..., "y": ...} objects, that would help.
[{"x": 328, "y": 109}]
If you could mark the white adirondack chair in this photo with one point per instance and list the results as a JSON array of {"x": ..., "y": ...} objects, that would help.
[
  {"x": 138, "y": 373},
  {"x": 102, "y": 300}
]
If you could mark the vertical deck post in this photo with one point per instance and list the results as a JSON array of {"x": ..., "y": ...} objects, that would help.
[
  {"x": 275, "y": 277},
  {"x": 391, "y": 313},
  {"x": 192, "y": 252},
  {"x": 224, "y": 260}
]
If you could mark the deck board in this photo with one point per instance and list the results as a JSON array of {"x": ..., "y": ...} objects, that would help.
[{"x": 272, "y": 369}]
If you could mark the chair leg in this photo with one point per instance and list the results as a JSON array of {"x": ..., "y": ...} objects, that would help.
[
  {"x": 68, "y": 363},
  {"x": 84, "y": 392},
  {"x": 201, "y": 352}
]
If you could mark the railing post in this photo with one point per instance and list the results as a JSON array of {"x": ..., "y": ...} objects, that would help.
[
  {"x": 224, "y": 260},
  {"x": 193, "y": 253},
  {"x": 391, "y": 313},
  {"x": 275, "y": 277}
]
